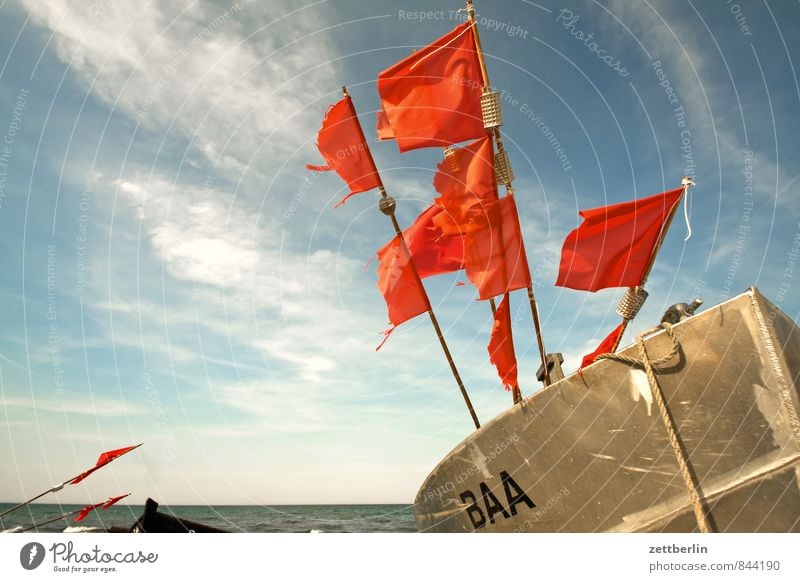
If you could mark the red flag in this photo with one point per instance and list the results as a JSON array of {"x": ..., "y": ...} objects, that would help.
[
  {"x": 434, "y": 252},
  {"x": 614, "y": 244},
  {"x": 466, "y": 181},
  {"x": 501, "y": 346},
  {"x": 341, "y": 142},
  {"x": 112, "y": 500},
  {"x": 105, "y": 505},
  {"x": 494, "y": 256},
  {"x": 606, "y": 346},
  {"x": 383, "y": 129},
  {"x": 433, "y": 96},
  {"x": 401, "y": 290},
  {"x": 86, "y": 510},
  {"x": 103, "y": 460}
]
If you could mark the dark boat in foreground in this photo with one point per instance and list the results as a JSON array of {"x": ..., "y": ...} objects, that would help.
[{"x": 154, "y": 521}]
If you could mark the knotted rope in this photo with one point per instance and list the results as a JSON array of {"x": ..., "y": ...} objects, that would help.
[{"x": 651, "y": 367}]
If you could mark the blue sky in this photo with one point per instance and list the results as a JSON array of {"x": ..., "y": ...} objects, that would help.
[{"x": 173, "y": 275}]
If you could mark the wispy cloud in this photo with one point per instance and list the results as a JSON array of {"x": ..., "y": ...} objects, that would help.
[
  {"x": 96, "y": 407},
  {"x": 192, "y": 67}
]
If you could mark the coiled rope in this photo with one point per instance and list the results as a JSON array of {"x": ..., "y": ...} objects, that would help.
[{"x": 650, "y": 367}]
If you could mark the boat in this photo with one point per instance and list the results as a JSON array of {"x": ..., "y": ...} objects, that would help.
[
  {"x": 154, "y": 521},
  {"x": 590, "y": 452}
]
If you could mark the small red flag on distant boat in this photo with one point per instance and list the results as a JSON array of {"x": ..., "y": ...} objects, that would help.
[
  {"x": 466, "y": 181},
  {"x": 105, "y": 505},
  {"x": 501, "y": 346},
  {"x": 432, "y": 98},
  {"x": 86, "y": 510},
  {"x": 606, "y": 346},
  {"x": 81, "y": 513},
  {"x": 614, "y": 245},
  {"x": 112, "y": 500},
  {"x": 103, "y": 460},
  {"x": 341, "y": 142},
  {"x": 494, "y": 256}
]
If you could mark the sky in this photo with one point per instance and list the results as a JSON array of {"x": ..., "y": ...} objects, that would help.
[{"x": 173, "y": 275}]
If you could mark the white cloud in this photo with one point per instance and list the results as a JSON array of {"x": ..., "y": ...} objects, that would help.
[
  {"x": 98, "y": 407},
  {"x": 287, "y": 305},
  {"x": 190, "y": 66}
]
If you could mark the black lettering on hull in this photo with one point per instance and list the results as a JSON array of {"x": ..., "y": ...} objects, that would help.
[{"x": 488, "y": 507}]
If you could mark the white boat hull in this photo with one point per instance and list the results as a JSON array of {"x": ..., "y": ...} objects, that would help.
[{"x": 591, "y": 452}]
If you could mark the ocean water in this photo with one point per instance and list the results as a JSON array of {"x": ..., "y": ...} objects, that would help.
[{"x": 235, "y": 518}]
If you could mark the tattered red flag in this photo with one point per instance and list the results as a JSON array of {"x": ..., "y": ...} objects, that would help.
[
  {"x": 433, "y": 96},
  {"x": 103, "y": 460},
  {"x": 401, "y": 288},
  {"x": 605, "y": 347},
  {"x": 501, "y": 346},
  {"x": 433, "y": 252},
  {"x": 494, "y": 256},
  {"x": 342, "y": 143},
  {"x": 466, "y": 181},
  {"x": 105, "y": 505},
  {"x": 614, "y": 245}
]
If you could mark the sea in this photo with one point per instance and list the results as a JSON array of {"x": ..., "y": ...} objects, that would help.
[{"x": 233, "y": 518}]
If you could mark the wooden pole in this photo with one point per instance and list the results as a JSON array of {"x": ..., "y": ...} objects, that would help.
[
  {"x": 687, "y": 181},
  {"x": 388, "y": 205},
  {"x": 32, "y": 499},
  {"x": 62, "y": 516},
  {"x": 498, "y": 138}
]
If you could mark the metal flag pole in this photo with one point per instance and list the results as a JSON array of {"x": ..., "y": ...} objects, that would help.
[
  {"x": 634, "y": 297},
  {"x": 504, "y": 171},
  {"x": 56, "y": 488},
  {"x": 388, "y": 206}
]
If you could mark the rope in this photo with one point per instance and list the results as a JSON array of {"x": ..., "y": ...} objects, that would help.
[
  {"x": 631, "y": 302},
  {"x": 686, "y": 216},
  {"x": 651, "y": 367}
]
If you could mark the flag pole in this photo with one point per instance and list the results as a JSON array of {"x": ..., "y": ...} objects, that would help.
[
  {"x": 498, "y": 138},
  {"x": 77, "y": 511},
  {"x": 57, "y": 488},
  {"x": 388, "y": 206},
  {"x": 62, "y": 516},
  {"x": 686, "y": 182}
]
